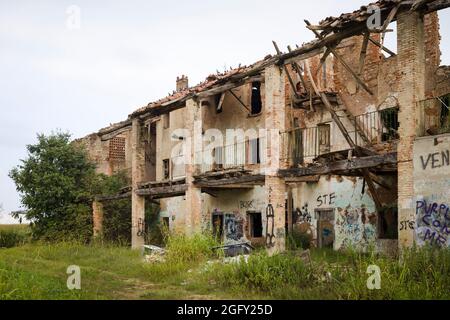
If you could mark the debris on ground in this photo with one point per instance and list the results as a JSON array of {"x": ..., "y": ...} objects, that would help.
[{"x": 153, "y": 254}]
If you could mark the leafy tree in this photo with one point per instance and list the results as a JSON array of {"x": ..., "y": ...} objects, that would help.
[{"x": 57, "y": 183}]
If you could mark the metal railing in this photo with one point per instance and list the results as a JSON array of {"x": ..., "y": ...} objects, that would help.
[
  {"x": 300, "y": 145},
  {"x": 434, "y": 116},
  {"x": 232, "y": 156}
]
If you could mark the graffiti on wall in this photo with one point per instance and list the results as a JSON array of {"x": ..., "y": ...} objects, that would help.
[
  {"x": 234, "y": 227},
  {"x": 355, "y": 227},
  {"x": 433, "y": 223},
  {"x": 303, "y": 215},
  {"x": 326, "y": 199}
]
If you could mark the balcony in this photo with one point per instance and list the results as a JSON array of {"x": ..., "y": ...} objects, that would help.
[
  {"x": 237, "y": 156},
  {"x": 304, "y": 145}
]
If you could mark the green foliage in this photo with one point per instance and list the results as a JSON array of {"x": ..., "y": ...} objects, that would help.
[
  {"x": 13, "y": 235},
  {"x": 298, "y": 240},
  {"x": 190, "y": 249},
  {"x": 55, "y": 183}
]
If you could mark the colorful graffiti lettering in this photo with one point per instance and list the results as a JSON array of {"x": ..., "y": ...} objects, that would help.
[{"x": 433, "y": 223}]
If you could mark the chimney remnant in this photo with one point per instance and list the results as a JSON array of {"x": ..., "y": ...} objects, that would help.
[{"x": 182, "y": 83}]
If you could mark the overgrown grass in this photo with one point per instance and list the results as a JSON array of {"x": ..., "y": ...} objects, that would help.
[
  {"x": 38, "y": 271},
  {"x": 420, "y": 274}
]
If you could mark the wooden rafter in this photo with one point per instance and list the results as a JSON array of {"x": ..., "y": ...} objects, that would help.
[
  {"x": 342, "y": 61},
  {"x": 382, "y": 47},
  {"x": 291, "y": 82},
  {"x": 239, "y": 100},
  {"x": 299, "y": 72},
  {"x": 363, "y": 54}
]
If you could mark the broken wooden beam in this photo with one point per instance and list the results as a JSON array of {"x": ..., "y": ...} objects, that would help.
[
  {"x": 342, "y": 61},
  {"x": 342, "y": 166},
  {"x": 291, "y": 81}
]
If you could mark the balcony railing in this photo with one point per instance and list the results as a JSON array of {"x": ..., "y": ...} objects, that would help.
[
  {"x": 300, "y": 145},
  {"x": 434, "y": 116},
  {"x": 232, "y": 156}
]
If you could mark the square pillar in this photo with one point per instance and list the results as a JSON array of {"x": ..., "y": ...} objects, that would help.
[
  {"x": 194, "y": 123},
  {"x": 275, "y": 110},
  {"x": 137, "y": 175},
  {"x": 411, "y": 67},
  {"x": 97, "y": 213}
]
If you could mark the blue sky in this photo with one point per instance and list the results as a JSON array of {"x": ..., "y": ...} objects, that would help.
[{"x": 126, "y": 54}]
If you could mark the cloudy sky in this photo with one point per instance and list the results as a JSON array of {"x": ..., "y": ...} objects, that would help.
[{"x": 126, "y": 54}]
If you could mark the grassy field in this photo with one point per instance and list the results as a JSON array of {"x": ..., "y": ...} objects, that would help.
[{"x": 193, "y": 271}]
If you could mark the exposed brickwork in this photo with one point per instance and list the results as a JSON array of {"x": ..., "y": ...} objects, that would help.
[{"x": 411, "y": 65}]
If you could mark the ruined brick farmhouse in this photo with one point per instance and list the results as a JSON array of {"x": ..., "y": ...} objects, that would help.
[{"x": 340, "y": 139}]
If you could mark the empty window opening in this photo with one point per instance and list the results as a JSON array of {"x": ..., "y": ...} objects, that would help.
[
  {"x": 166, "y": 120},
  {"x": 254, "y": 151},
  {"x": 256, "y": 98},
  {"x": 255, "y": 224},
  {"x": 324, "y": 133},
  {"x": 389, "y": 118},
  {"x": 166, "y": 168},
  {"x": 117, "y": 149}
]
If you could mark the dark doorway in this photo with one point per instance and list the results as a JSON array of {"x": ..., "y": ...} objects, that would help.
[
  {"x": 217, "y": 224},
  {"x": 255, "y": 224},
  {"x": 325, "y": 228}
]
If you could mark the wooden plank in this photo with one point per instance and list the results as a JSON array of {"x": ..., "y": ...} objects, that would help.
[
  {"x": 248, "y": 179},
  {"x": 341, "y": 166},
  {"x": 158, "y": 192}
]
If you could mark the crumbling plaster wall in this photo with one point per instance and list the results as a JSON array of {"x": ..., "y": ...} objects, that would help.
[
  {"x": 236, "y": 203},
  {"x": 355, "y": 218},
  {"x": 432, "y": 191},
  {"x": 166, "y": 146},
  {"x": 174, "y": 209},
  {"x": 234, "y": 115}
]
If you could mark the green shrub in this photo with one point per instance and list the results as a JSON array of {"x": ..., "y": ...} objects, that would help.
[{"x": 13, "y": 236}]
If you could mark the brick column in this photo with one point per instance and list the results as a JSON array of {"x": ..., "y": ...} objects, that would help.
[
  {"x": 411, "y": 66},
  {"x": 137, "y": 175},
  {"x": 97, "y": 213},
  {"x": 275, "y": 123},
  {"x": 193, "y": 122}
]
